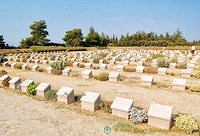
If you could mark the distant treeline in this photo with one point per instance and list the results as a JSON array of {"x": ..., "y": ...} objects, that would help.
[{"x": 74, "y": 38}]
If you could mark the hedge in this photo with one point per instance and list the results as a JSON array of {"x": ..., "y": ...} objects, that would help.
[{"x": 55, "y": 48}]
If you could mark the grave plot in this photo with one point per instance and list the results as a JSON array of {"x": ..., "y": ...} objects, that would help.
[
  {"x": 66, "y": 95},
  {"x": 160, "y": 116},
  {"x": 90, "y": 101},
  {"x": 121, "y": 106}
]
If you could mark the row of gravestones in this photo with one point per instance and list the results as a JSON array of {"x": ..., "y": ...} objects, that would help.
[
  {"x": 190, "y": 65},
  {"x": 158, "y": 115},
  {"x": 146, "y": 80}
]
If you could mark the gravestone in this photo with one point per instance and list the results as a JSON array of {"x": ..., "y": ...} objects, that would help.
[
  {"x": 147, "y": 80},
  {"x": 42, "y": 88},
  {"x": 14, "y": 83},
  {"x": 160, "y": 116},
  {"x": 90, "y": 101},
  {"x": 66, "y": 95},
  {"x": 25, "y": 85},
  {"x": 121, "y": 106},
  {"x": 179, "y": 84},
  {"x": 114, "y": 77},
  {"x": 86, "y": 74}
]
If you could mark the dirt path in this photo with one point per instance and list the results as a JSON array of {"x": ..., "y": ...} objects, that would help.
[{"x": 22, "y": 115}]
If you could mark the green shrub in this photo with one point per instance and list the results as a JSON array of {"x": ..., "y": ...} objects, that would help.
[
  {"x": 103, "y": 76},
  {"x": 186, "y": 123},
  {"x": 196, "y": 74},
  {"x": 162, "y": 62},
  {"x": 3, "y": 59},
  {"x": 3, "y": 72},
  {"x": 55, "y": 48},
  {"x": 194, "y": 88},
  {"x": 106, "y": 106},
  {"x": 41, "y": 70},
  {"x": 53, "y": 57},
  {"x": 31, "y": 89},
  {"x": 51, "y": 95},
  {"x": 18, "y": 66},
  {"x": 58, "y": 65}
]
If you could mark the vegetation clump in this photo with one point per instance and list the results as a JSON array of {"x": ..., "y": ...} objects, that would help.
[
  {"x": 186, "y": 123},
  {"x": 103, "y": 76},
  {"x": 32, "y": 88},
  {"x": 51, "y": 95},
  {"x": 57, "y": 67},
  {"x": 106, "y": 106},
  {"x": 194, "y": 88},
  {"x": 162, "y": 62}
]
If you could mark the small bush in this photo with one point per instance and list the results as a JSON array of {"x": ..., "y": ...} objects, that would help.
[
  {"x": 96, "y": 59},
  {"x": 18, "y": 66},
  {"x": 56, "y": 72},
  {"x": 151, "y": 70},
  {"x": 106, "y": 106},
  {"x": 126, "y": 69},
  {"x": 172, "y": 74},
  {"x": 96, "y": 67},
  {"x": 53, "y": 57},
  {"x": 82, "y": 66},
  {"x": 3, "y": 59},
  {"x": 174, "y": 60},
  {"x": 17, "y": 60},
  {"x": 155, "y": 56},
  {"x": 137, "y": 115},
  {"x": 58, "y": 65},
  {"x": 51, "y": 95},
  {"x": 194, "y": 88},
  {"x": 162, "y": 62},
  {"x": 196, "y": 74},
  {"x": 6, "y": 82},
  {"x": 3, "y": 72},
  {"x": 31, "y": 89},
  {"x": 181, "y": 66},
  {"x": 186, "y": 123},
  {"x": 103, "y": 76},
  {"x": 41, "y": 70},
  {"x": 24, "y": 59}
]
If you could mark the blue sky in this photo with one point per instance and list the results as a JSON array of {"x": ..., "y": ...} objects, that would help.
[{"x": 108, "y": 16}]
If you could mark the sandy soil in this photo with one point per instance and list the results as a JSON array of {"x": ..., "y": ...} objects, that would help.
[{"x": 21, "y": 115}]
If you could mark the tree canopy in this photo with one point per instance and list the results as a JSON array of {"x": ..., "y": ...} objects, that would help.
[
  {"x": 39, "y": 34},
  {"x": 73, "y": 37},
  {"x": 2, "y": 43},
  {"x": 93, "y": 38}
]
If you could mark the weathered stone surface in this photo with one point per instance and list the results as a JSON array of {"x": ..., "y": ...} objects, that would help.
[
  {"x": 14, "y": 83},
  {"x": 66, "y": 95},
  {"x": 42, "y": 88},
  {"x": 179, "y": 84},
  {"x": 35, "y": 68},
  {"x": 86, "y": 74},
  {"x": 121, "y": 106},
  {"x": 3, "y": 78},
  {"x": 162, "y": 71},
  {"x": 114, "y": 76},
  {"x": 103, "y": 66},
  {"x": 160, "y": 116},
  {"x": 66, "y": 71},
  {"x": 186, "y": 73},
  {"x": 24, "y": 66},
  {"x": 147, "y": 80},
  {"x": 25, "y": 84},
  {"x": 140, "y": 69},
  {"x": 90, "y": 101}
]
